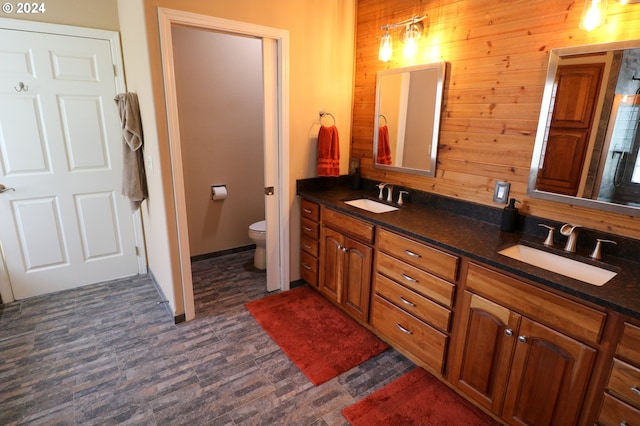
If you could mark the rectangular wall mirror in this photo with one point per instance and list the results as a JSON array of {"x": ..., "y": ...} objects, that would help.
[
  {"x": 586, "y": 149},
  {"x": 407, "y": 123}
]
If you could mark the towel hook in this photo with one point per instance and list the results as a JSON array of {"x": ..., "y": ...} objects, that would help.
[
  {"x": 385, "y": 119},
  {"x": 323, "y": 113},
  {"x": 21, "y": 87}
]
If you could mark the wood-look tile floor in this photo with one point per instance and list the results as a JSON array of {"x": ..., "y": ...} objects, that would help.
[{"x": 110, "y": 353}]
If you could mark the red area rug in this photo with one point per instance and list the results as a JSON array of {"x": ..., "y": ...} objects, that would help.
[
  {"x": 417, "y": 398},
  {"x": 318, "y": 337}
]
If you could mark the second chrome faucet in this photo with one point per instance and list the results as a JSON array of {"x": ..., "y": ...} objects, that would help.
[{"x": 572, "y": 232}]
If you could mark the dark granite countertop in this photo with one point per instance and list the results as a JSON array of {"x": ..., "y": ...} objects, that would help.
[{"x": 460, "y": 232}]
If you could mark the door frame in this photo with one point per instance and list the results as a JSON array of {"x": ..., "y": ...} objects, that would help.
[
  {"x": 276, "y": 133},
  {"x": 113, "y": 38}
]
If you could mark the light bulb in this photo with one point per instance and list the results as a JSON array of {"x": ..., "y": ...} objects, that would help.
[
  {"x": 411, "y": 37},
  {"x": 386, "y": 48},
  {"x": 594, "y": 14}
]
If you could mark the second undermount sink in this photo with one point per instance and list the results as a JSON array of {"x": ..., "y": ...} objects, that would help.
[
  {"x": 584, "y": 272},
  {"x": 371, "y": 205}
]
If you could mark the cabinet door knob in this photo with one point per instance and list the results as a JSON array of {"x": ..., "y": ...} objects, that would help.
[
  {"x": 508, "y": 332},
  {"x": 522, "y": 339},
  {"x": 404, "y": 330},
  {"x": 406, "y": 302},
  {"x": 408, "y": 278}
]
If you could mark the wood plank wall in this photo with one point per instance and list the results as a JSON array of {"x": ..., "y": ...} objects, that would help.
[{"x": 497, "y": 54}]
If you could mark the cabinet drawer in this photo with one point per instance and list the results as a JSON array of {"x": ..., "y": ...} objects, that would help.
[
  {"x": 310, "y": 245},
  {"x": 355, "y": 228},
  {"x": 310, "y": 229},
  {"x": 416, "y": 279},
  {"x": 309, "y": 268},
  {"x": 420, "y": 255},
  {"x": 615, "y": 413},
  {"x": 406, "y": 331},
  {"x": 625, "y": 382},
  {"x": 310, "y": 210},
  {"x": 564, "y": 315},
  {"x": 629, "y": 346},
  {"x": 413, "y": 303}
]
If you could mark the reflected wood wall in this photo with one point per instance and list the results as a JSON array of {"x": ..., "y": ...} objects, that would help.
[{"x": 497, "y": 54}]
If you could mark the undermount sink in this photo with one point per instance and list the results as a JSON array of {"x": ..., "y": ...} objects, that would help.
[
  {"x": 371, "y": 205},
  {"x": 584, "y": 272}
]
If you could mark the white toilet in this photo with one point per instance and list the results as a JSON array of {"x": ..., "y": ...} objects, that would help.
[{"x": 258, "y": 234}]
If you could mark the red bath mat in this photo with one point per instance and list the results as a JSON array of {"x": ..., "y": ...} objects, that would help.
[
  {"x": 318, "y": 337},
  {"x": 417, "y": 398}
]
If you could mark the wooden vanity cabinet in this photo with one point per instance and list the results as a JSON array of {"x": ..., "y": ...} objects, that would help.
[
  {"x": 621, "y": 404},
  {"x": 309, "y": 242},
  {"x": 413, "y": 297},
  {"x": 346, "y": 256},
  {"x": 523, "y": 353}
]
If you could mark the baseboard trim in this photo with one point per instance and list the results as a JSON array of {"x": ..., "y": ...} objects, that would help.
[
  {"x": 222, "y": 253},
  {"x": 163, "y": 299}
]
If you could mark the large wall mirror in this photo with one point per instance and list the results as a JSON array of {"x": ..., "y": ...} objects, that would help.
[
  {"x": 408, "y": 104},
  {"x": 586, "y": 149}
]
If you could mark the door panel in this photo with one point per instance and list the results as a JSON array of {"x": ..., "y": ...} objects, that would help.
[
  {"x": 567, "y": 364},
  {"x": 61, "y": 149}
]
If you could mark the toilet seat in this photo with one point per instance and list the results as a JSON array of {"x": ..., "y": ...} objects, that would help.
[{"x": 260, "y": 226}]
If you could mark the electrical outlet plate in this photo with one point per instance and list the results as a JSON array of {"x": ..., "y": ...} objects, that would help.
[{"x": 501, "y": 192}]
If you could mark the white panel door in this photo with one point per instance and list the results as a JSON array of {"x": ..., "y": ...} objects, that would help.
[{"x": 65, "y": 224}]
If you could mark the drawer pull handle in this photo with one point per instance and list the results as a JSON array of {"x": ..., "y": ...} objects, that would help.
[
  {"x": 412, "y": 254},
  {"x": 406, "y": 302},
  {"x": 306, "y": 211},
  {"x": 408, "y": 278},
  {"x": 404, "y": 330},
  {"x": 624, "y": 423},
  {"x": 635, "y": 389},
  {"x": 307, "y": 229},
  {"x": 305, "y": 266},
  {"x": 307, "y": 246}
]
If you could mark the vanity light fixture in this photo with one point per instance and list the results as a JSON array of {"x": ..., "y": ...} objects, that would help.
[
  {"x": 412, "y": 31},
  {"x": 594, "y": 14}
]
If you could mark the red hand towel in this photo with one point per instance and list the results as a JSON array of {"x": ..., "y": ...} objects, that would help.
[
  {"x": 328, "y": 151},
  {"x": 384, "y": 150}
]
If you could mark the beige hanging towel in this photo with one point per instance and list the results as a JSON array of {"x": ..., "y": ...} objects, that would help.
[{"x": 134, "y": 179}]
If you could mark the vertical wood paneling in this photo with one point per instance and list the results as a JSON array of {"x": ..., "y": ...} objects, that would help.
[{"x": 497, "y": 54}]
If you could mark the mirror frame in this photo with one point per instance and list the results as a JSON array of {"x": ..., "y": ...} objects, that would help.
[
  {"x": 554, "y": 57},
  {"x": 440, "y": 67}
]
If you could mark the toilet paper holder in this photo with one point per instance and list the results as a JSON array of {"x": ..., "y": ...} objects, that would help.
[{"x": 218, "y": 192}]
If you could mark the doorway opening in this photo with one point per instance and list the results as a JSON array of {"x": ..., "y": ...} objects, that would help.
[{"x": 275, "y": 50}]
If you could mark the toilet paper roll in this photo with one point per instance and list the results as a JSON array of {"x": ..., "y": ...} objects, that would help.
[{"x": 218, "y": 193}]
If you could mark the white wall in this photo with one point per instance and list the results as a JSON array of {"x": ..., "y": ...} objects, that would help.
[{"x": 220, "y": 105}]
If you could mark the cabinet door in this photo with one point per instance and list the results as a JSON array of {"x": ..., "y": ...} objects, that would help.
[
  {"x": 357, "y": 278},
  {"x": 332, "y": 264},
  {"x": 549, "y": 377},
  {"x": 577, "y": 91},
  {"x": 563, "y": 161},
  {"x": 488, "y": 334}
]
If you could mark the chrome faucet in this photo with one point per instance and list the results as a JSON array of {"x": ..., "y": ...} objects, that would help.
[
  {"x": 381, "y": 187},
  {"x": 570, "y": 231}
]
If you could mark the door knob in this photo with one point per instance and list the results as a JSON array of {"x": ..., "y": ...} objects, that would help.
[
  {"x": 5, "y": 189},
  {"x": 522, "y": 339}
]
